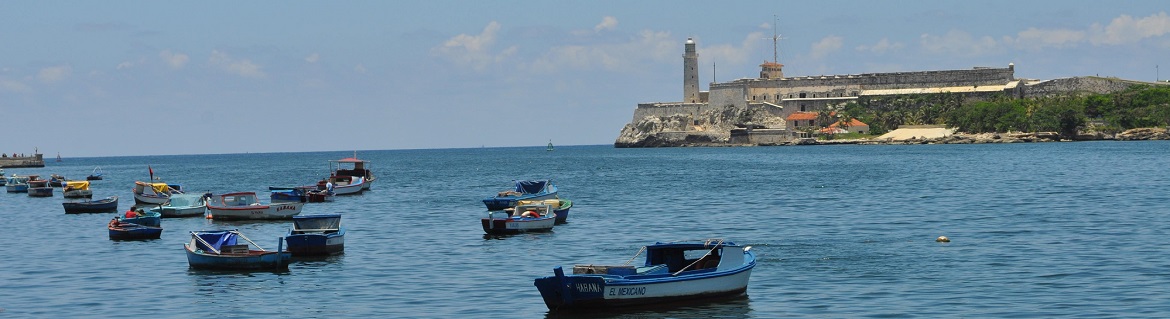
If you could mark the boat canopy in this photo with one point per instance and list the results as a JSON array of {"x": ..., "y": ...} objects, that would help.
[
  {"x": 531, "y": 187},
  {"x": 217, "y": 239},
  {"x": 77, "y": 185},
  {"x": 317, "y": 222}
]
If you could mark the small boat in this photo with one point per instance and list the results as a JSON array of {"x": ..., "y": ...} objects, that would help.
[
  {"x": 16, "y": 184},
  {"x": 559, "y": 206},
  {"x": 531, "y": 220},
  {"x": 222, "y": 249},
  {"x": 316, "y": 235},
  {"x": 56, "y": 180},
  {"x": 104, "y": 205},
  {"x": 244, "y": 205},
  {"x": 320, "y": 196},
  {"x": 184, "y": 205},
  {"x": 346, "y": 185},
  {"x": 354, "y": 167},
  {"x": 155, "y": 193},
  {"x": 289, "y": 194},
  {"x": 77, "y": 189},
  {"x": 130, "y": 231},
  {"x": 524, "y": 190},
  {"x": 38, "y": 187},
  {"x": 96, "y": 175},
  {"x": 142, "y": 217},
  {"x": 676, "y": 271}
]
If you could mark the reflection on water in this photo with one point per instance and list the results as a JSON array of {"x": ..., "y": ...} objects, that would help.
[{"x": 738, "y": 306}]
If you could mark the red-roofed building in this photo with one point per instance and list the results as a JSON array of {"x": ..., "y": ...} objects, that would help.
[{"x": 854, "y": 126}]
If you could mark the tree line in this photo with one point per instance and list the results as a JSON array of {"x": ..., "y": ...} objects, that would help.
[{"x": 1137, "y": 106}]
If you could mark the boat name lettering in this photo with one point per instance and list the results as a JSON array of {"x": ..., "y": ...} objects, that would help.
[
  {"x": 284, "y": 207},
  {"x": 584, "y": 287},
  {"x": 632, "y": 291}
]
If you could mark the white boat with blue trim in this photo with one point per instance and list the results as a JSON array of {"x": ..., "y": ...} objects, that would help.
[{"x": 674, "y": 271}]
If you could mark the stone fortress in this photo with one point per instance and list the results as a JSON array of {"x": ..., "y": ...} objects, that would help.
[{"x": 756, "y": 111}]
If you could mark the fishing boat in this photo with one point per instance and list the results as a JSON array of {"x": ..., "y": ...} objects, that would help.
[
  {"x": 346, "y": 185},
  {"x": 222, "y": 249},
  {"x": 77, "y": 189},
  {"x": 531, "y": 220},
  {"x": 155, "y": 193},
  {"x": 184, "y": 205},
  {"x": 289, "y": 194},
  {"x": 316, "y": 235},
  {"x": 523, "y": 190},
  {"x": 244, "y": 205},
  {"x": 130, "y": 231},
  {"x": 56, "y": 180},
  {"x": 320, "y": 196},
  {"x": 38, "y": 187},
  {"x": 675, "y": 271},
  {"x": 559, "y": 206},
  {"x": 16, "y": 184},
  {"x": 96, "y": 175},
  {"x": 141, "y": 217},
  {"x": 104, "y": 205},
  {"x": 352, "y": 166}
]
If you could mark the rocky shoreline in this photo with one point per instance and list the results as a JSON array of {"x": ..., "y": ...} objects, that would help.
[{"x": 710, "y": 140}]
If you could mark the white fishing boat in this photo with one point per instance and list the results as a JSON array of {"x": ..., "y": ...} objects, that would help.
[{"x": 244, "y": 205}]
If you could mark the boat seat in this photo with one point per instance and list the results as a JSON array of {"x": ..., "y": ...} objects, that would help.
[{"x": 234, "y": 249}]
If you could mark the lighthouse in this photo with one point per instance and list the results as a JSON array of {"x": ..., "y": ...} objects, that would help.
[{"x": 690, "y": 73}]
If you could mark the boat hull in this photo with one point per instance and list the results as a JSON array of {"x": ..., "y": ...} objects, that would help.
[
  {"x": 109, "y": 204},
  {"x": 191, "y": 211},
  {"x": 589, "y": 292},
  {"x": 128, "y": 231},
  {"x": 253, "y": 260},
  {"x": 150, "y": 199},
  {"x": 83, "y": 193},
  {"x": 93, "y": 178},
  {"x": 315, "y": 244},
  {"x": 17, "y": 188},
  {"x": 274, "y": 211},
  {"x": 503, "y": 202},
  {"x": 151, "y": 218},
  {"x": 509, "y": 226},
  {"x": 40, "y": 192}
]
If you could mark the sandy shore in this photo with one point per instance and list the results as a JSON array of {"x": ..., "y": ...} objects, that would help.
[{"x": 919, "y": 133}]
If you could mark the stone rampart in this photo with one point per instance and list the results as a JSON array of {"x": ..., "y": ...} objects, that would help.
[{"x": 1084, "y": 84}]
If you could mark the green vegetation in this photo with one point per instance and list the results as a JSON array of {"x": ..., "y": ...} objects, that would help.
[{"x": 1138, "y": 106}]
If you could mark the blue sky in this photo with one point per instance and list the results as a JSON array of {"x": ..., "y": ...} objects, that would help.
[{"x": 103, "y": 78}]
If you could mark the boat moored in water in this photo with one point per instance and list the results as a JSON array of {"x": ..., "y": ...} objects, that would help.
[
  {"x": 245, "y": 205},
  {"x": 347, "y": 185},
  {"x": 184, "y": 205},
  {"x": 675, "y": 271},
  {"x": 352, "y": 166},
  {"x": 223, "y": 249},
  {"x": 523, "y": 190},
  {"x": 316, "y": 235},
  {"x": 16, "y": 184},
  {"x": 38, "y": 187},
  {"x": 77, "y": 189},
  {"x": 96, "y": 175},
  {"x": 533, "y": 219},
  {"x": 155, "y": 193},
  {"x": 559, "y": 206},
  {"x": 104, "y": 205},
  {"x": 130, "y": 231}
]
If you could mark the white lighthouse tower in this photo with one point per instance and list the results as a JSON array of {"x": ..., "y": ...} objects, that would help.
[{"x": 690, "y": 73}]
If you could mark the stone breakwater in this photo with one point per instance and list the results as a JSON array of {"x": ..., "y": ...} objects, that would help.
[{"x": 692, "y": 140}]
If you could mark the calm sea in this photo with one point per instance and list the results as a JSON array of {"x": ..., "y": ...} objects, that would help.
[{"x": 1038, "y": 231}]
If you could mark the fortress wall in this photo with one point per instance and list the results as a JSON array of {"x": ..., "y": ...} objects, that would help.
[
  {"x": 847, "y": 85},
  {"x": 1086, "y": 84}
]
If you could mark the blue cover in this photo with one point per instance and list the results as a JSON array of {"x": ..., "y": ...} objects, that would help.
[
  {"x": 216, "y": 239},
  {"x": 530, "y": 187}
]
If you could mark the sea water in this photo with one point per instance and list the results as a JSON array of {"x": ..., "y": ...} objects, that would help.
[{"x": 1037, "y": 230}]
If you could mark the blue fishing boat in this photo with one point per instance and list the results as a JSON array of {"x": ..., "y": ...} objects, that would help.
[
  {"x": 222, "y": 249},
  {"x": 316, "y": 235},
  {"x": 141, "y": 217},
  {"x": 675, "y": 271},
  {"x": 297, "y": 194},
  {"x": 524, "y": 190},
  {"x": 104, "y": 205},
  {"x": 17, "y": 184},
  {"x": 130, "y": 231}
]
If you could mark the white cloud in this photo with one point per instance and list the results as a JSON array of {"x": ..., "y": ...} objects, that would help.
[
  {"x": 882, "y": 46},
  {"x": 244, "y": 68},
  {"x": 174, "y": 60},
  {"x": 313, "y": 58},
  {"x": 607, "y": 23},
  {"x": 125, "y": 65},
  {"x": 54, "y": 74},
  {"x": 474, "y": 50},
  {"x": 13, "y": 86},
  {"x": 827, "y": 45},
  {"x": 647, "y": 46},
  {"x": 727, "y": 54},
  {"x": 959, "y": 43},
  {"x": 1125, "y": 29},
  {"x": 1035, "y": 39}
]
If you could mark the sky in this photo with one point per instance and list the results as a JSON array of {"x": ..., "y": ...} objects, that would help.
[{"x": 117, "y": 78}]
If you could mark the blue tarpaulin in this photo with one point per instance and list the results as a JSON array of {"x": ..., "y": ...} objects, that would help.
[
  {"x": 530, "y": 187},
  {"x": 216, "y": 239}
]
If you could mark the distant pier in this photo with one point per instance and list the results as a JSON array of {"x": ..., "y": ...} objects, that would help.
[{"x": 36, "y": 160}]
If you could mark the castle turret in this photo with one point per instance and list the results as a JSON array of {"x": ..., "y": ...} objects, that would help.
[{"x": 690, "y": 73}]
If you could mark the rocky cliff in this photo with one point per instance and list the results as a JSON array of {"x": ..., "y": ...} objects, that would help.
[{"x": 709, "y": 128}]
